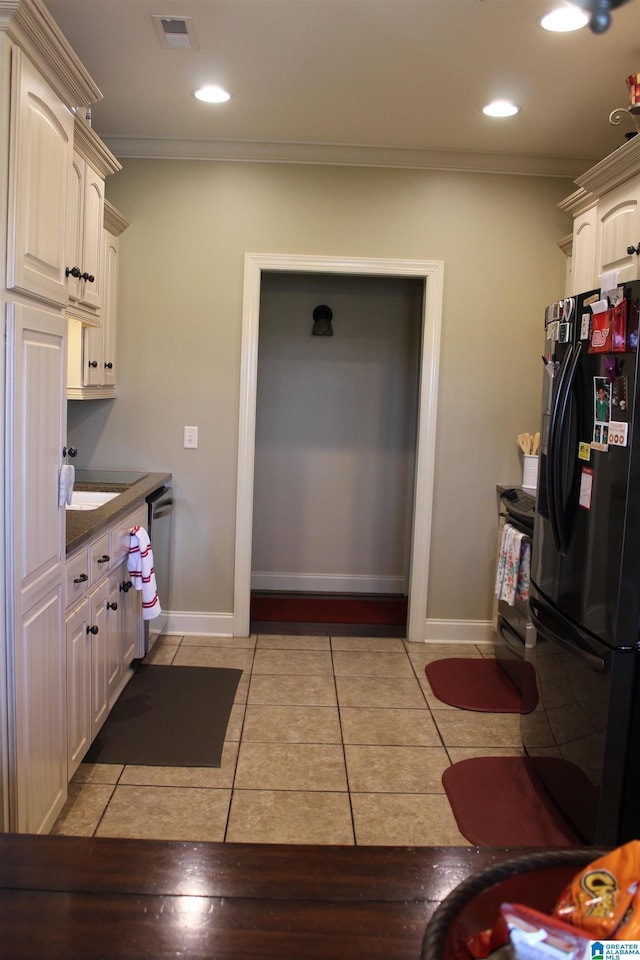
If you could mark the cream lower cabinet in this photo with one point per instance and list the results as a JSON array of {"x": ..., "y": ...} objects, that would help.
[
  {"x": 103, "y": 624},
  {"x": 36, "y": 657}
]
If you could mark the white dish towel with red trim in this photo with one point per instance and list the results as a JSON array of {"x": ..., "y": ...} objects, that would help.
[{"x": 140, "y": 567}]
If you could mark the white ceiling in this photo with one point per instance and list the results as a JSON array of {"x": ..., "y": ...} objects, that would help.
[{"x": 397, "y": 82}]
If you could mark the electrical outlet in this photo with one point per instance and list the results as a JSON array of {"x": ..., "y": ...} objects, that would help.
[{"x": 190, "y": 438}]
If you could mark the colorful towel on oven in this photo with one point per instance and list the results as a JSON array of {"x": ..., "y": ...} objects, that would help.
[
  {"x": 140, "y": 567},
  {"x": 514, "y": 566}
]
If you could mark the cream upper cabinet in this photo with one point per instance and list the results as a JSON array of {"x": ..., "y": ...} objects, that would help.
[
  {"x": 618, "y": 231},
  {"x": 583, "y": 251},
  {"x": 91, "y": 163},
  {"x": 92, "y": 360},
  {"x": 84, "y": 238},
  {"x": 40, "y": 156},
  {"x": 606, "y": 225}
]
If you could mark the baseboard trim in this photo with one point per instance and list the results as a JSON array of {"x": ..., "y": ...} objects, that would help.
[
  {"x": 185, "y": 623},
  {"x": 458, "y": 631},
  {"x": 328, "y": 583}
]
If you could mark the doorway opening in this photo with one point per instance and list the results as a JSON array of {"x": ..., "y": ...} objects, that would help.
[{"x": 430, "y": 274}]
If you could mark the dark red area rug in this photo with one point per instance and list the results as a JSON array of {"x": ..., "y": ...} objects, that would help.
[
  {"x": 329, "y": 608},
  {"x": 500, "y": 802},
  {"x": 474, "y": 684}
]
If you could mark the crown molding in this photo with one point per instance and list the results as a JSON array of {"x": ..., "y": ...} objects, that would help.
[
  {"x": 619, "y": 166},
  {"x": 342, "y": 154},
  {"x": 29, "y": 24},
  {"x": 114, "y": 221},
  {"x": 91, "y": 148},
  {"x": 577, "y": 202}
]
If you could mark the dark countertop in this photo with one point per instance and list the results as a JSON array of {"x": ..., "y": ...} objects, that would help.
[
  {"x": 84, "y": 525},
  {"x": 89, "y": 898}
]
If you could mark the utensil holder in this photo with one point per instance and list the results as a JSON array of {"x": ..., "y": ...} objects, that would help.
[{"x": 530, "y": 473}]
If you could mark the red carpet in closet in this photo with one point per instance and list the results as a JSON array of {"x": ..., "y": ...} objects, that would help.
[{"x": 329, "y": 608}]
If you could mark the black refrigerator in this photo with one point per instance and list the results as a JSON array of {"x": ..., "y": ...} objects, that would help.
[{"x": 582, "y": 728}]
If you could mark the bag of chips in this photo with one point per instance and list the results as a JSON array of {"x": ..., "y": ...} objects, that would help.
[{"x": 602, "y": 900}]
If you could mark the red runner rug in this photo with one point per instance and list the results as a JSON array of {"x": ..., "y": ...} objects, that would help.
[
  {"x": 474, "y": 684},
  {"x": 329, "y": 609},
  {"x": 499, "y": 802}
]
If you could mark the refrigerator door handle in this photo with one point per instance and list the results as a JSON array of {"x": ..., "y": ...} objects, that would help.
[
  {"x": 573, "y": 644},
  {"x": 562, "y": 492},
  {"x": 553, "y": 449}
]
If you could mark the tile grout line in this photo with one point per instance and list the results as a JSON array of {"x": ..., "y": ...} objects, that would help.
[
  {"x": 235, "y": 766},
  {"x": 342, "y": 743}
]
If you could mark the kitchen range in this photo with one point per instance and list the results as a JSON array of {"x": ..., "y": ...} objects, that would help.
[{"x": 584, "y": 734}]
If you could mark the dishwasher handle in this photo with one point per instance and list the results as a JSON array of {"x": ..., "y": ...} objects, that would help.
[{"x": 166, "y": 506}]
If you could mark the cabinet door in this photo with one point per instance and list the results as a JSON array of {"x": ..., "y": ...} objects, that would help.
[
  {"x": 78, "y": 686},
  {"x": 35, "y": 540},
  {"x": 619, "y": 228},
  {"x": 99, "y": 657},
  {"x": 131, "y": 624},
  {"x": 41, "y": 149},
  {"x": 84, "y": 238},
  {"x": 110, "y": 309},
  {"x": 114, "y": 633},
  {"x": 91, "y": 294},
  {"x": 583, "y": 257},
  {"x": 39, "y": 663},
  {"x": 75, "y": 203}
]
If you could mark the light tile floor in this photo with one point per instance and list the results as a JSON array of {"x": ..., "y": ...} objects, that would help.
[{"x": 331, "y": 740}]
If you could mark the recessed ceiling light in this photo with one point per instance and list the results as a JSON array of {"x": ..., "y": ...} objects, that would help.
[
  {"x": 500, "y": 108},
  {"x": 212, "y": 94},
  {"x": 565, "y": 19}
]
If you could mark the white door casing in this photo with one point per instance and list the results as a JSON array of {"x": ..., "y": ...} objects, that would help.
[{"x": 432, "y": 273}]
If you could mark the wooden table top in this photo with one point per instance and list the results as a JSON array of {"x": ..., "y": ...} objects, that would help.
[{"x": 83, "y": 898}]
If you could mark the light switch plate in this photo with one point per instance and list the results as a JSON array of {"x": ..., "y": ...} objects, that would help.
[{"x": 190, "y": 438}]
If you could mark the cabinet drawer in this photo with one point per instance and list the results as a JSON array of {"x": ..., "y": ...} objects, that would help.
[
  {"x": 100, "y": 561},
  {"x": 77, "y": 576},
  {"x": 120, "y": 539}
]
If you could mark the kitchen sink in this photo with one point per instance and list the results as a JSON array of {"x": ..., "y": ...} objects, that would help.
[{"x": 90, "y": 499}]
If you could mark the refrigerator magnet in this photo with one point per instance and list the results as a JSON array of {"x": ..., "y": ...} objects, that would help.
[
  {"x": 618, "y": 433},
  {"x": 585, "y": 326},
  {"x": 600, "y": 436},
  {"x": 586, "y": 487},
  {"x": 601, "y": 400},
  {"x": 584, "y": 451}
]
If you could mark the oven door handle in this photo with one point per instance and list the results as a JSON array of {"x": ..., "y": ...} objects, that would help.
[{"x": 506, "y": 632}]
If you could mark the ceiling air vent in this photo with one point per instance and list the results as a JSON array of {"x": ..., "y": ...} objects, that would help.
[{"x": 175, "y": 33}]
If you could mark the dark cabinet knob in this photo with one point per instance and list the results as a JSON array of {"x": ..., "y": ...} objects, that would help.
[
  {"x": 94, "y": 630},
  {"x": 108, "y": 365},
  {"x": 81, "y": 579},
  {"x": 93, "y": 363},
  {"x": 125, "y": 586},
  {"x": 631, "y": 250},
  {"x": 73, "y": 272},
  {"x": 88, "y": 277},
  {"x": 69, "y": 451},
  {"x": 112, "y": 606},
  {"x": 104, "y": 558}
]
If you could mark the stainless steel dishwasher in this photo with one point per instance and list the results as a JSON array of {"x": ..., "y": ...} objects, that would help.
[{"x": 160, "y": 523}]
